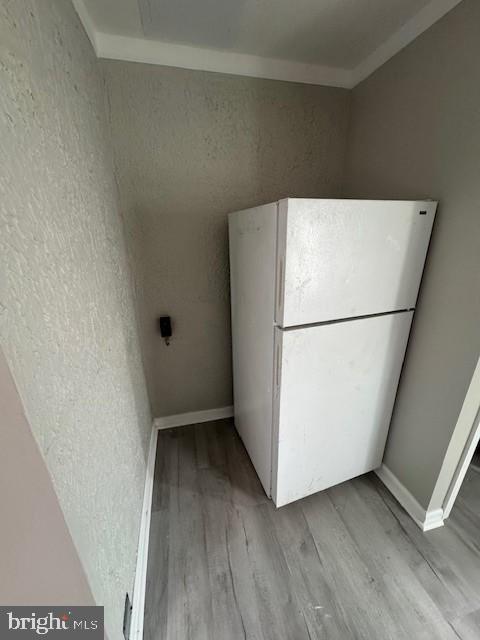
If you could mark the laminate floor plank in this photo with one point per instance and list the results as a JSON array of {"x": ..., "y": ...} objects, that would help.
[
  {"x": 465, "y": 517},
  {"x": 443, "y": 590},
  {"x": 189, "y": 613},
  {"x": 246, "y": 487},
  {"x": 468, "y": 627},
  {"x": 455, "y": 564},
  {"x": 156, "y": 595},
  {"x": 279, "y": 611},
  {"x": 345, "y": 564},
  {"x": 325, "y": 612},
  {"x": 413, "y": 610},
  {"x": 218, "y": 527},
  {"x": 368, "y": 611}
]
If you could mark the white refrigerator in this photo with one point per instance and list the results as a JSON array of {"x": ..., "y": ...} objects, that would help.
[{"x": 323, "y": 294}]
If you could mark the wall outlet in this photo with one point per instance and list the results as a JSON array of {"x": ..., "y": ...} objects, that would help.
[
  {"x": 127, "y": 617},
  {"x": 165, "y": 323}
]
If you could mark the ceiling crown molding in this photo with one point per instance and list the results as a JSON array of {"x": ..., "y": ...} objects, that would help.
[
  {"x": 176, "y": 55},
  {"x": 132, "y": 49}
]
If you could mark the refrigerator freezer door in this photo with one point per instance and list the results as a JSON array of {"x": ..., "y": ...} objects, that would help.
[
  {"x": 334, "y": 395},
  {"x": 348, "y": 258}
]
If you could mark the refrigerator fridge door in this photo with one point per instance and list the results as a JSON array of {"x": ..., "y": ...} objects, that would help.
[
  {"x": 348, "y": 258},
  {"x": 335, "y": 386}
]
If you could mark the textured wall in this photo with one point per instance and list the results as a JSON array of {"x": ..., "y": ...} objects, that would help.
[
  {"x": 190, "y": 147},
  {"x": 66, "y": 313},
  {"x": 416, "y": 133}
]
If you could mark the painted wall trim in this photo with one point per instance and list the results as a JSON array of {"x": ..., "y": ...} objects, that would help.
[
  {"x": 461, "y": 448},
  {"x": 138, "y": 602},
  {"x": 186, "y": 57},
  {"x": 133, "y": 49},
  {"x": 194, "y": 417},
  {"x": 426, "y": 520}
]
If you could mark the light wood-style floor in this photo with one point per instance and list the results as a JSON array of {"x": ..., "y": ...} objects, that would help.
[{"x": 346, "y": 563}]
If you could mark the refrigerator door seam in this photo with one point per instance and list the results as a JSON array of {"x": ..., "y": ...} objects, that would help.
[{"x": 349, "y": 319}]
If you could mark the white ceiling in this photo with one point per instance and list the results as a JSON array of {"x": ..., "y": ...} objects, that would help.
[{"x": 335, "y": 42}]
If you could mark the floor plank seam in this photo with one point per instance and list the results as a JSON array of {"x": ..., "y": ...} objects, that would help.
[
  {"x": 454, "y": 630},
  {"x": 227, "y": 543}
]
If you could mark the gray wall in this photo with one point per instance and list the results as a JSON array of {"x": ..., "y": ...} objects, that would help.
[
  {"x": 415, "y": 133},
  {"x": 189, "y": 148},
  {"x": 67, "y": 324},
  {"x": 38, "y": 561}
]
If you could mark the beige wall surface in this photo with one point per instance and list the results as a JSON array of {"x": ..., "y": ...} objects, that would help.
[
  {"x": 38, "y": 561},
  {"x": 189, "y": 148},
  {"x": 415, "y": 133},
  {"x": 67, "y": 324}
]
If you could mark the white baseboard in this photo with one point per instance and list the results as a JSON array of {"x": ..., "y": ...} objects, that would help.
[
  {"x": 426, "y": 520},
  {"x": 433, "y": 519},
  {"x": 194, "y": 417},
  {"x": 138, "y": 601}
]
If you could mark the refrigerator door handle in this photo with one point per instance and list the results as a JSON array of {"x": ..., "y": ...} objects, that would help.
[
  {"x": 280, "y": 284},
  {"x": 277, "y": 368}
]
